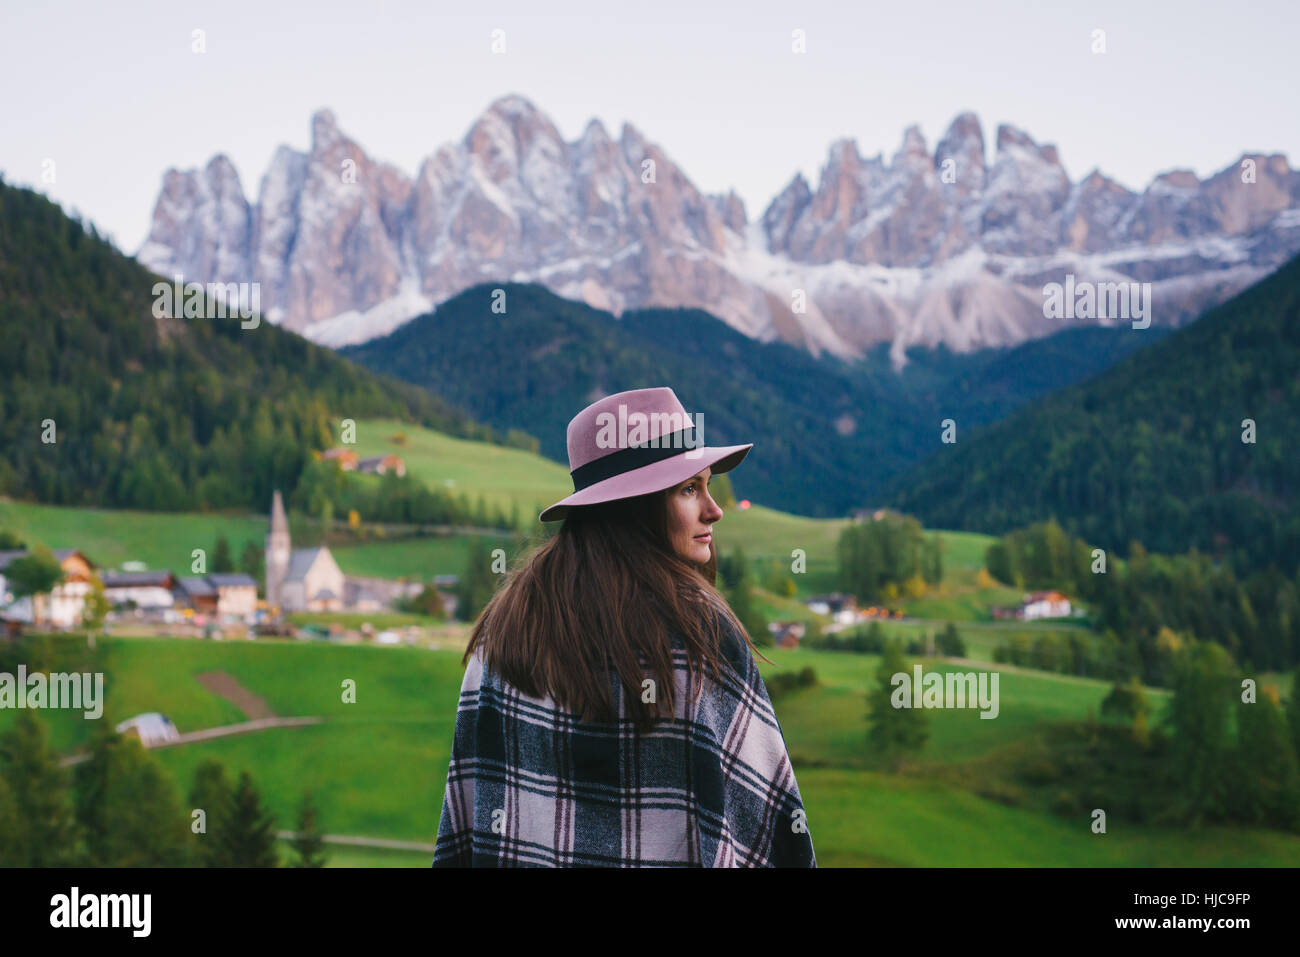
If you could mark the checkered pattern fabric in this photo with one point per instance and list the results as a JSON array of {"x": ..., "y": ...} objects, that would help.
[{"x": 531, "y": 785}]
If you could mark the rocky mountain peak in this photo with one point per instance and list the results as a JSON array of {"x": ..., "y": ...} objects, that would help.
[
  {"x": 1011, "y": 139},
  {"x": 594, "y": 135},
  {"x": 1178, "y": 179},
  {"x": 963, "y": 144},
  {"x": 731, "y": 209},
  {"x": 912, "y": 151},
  {"x": 324, "y": 131},
  {"x": 952, "y": 248},
  {"x": 510, "y": 126}
]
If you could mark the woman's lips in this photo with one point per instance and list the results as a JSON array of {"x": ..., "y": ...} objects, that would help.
[{"x": 707, "y": 537}]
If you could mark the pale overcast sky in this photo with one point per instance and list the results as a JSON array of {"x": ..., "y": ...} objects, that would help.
[{"x": 113, "y": 94}]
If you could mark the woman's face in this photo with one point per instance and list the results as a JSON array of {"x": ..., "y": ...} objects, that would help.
[{"x": 691, "y": 514}]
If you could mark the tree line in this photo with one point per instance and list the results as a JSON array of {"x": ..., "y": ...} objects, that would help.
[
  {"x": 326, "y": 491},
  {"x": 1149, "y": 603},
  {"x": 881, "y": 557}
]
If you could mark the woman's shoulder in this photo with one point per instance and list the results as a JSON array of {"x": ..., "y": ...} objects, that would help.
[{"x": 732, "y": 646}]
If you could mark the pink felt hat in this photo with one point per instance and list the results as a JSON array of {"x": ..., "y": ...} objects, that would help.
[{"x": 633, "y": 443}]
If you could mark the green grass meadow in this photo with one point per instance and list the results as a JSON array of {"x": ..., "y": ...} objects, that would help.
[{"x": 377, "y": 766}]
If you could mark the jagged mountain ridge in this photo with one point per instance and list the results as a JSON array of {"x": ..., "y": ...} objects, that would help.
[{"x": 923, "y": 249}]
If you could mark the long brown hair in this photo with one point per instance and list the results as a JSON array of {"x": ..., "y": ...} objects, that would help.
[{"x": 604, "y": 592}]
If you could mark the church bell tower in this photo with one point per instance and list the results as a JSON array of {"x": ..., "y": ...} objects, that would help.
[{"x": 277, "y": 555}]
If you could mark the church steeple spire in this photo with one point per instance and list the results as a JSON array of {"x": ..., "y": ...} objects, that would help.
[
  {"x": 278, "y": 548},
  {"x": 278, "y": 521}
]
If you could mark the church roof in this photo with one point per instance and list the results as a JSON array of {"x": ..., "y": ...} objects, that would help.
[{"x": 300, "y": 563}]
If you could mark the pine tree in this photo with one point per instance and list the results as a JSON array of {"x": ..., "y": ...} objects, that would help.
[
  {"x": 251, "y": 830},
  {"x": 893, "y": 732},
  {"x": 39, "y": 797},
  {"x": 309, "y": 845},
  {"x": 221, "y": 560},
  {"x": 128, "y": 806},
  {"x": 251, "y": 560},
  {"x": 950, "y": 643},
  {"x": 478, "y": 582},
  {"x": 213, "y": 795}
]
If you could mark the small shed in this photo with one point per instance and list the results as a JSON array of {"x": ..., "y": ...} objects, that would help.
[{"x": 152, "y": 728}]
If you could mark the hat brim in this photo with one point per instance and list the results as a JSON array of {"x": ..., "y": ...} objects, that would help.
[{"x": 655, "y": 477}]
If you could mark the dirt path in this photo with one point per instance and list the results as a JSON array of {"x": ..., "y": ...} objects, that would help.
[
  {"x": 364, "y": 841},
  {"x": 220, "y": 683},
  {"x": 207, "y": 734}
]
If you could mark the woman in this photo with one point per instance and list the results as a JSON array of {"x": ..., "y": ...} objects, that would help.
[{"x": 611, "y": 713}]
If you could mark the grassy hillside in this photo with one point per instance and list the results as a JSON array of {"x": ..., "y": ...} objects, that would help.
[
  {"x": 1152, "y": 449},
  {"x": 113, "y": 536},
  {"x": 165, "y": 540}
]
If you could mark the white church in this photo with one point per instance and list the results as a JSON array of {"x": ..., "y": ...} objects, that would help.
[
  {"x": 308, "y": 579},
  {"x": 304, "y": 580}
]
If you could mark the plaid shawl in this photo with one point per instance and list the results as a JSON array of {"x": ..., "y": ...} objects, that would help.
[{"x": 531, "y": 785}]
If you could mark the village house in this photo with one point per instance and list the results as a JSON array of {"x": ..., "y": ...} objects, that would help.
[
  {"x": 1045, "y": 604},
  {"x": 842, "y": 608},
  {"x": 382, "y": 465},
  {"x": 376, "y": 594},
  {"x": 236, "y": 593},
  {"x": 196, "y": 594},
  {"x": 346, "y": 458},
  {"x": 1038, "y": 605},
  {"x": 64, "y": 606},
  {"x": 786, "y": 634},
  {"x": 146, "y": 590}
]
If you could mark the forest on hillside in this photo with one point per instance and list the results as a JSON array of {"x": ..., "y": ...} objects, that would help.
[
  {"x": 103, "y": 404},
  {"x": 1190, "y": 443}
]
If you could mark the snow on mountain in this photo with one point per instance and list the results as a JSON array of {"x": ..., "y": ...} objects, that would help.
[{"x": 924, "y": 248}]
